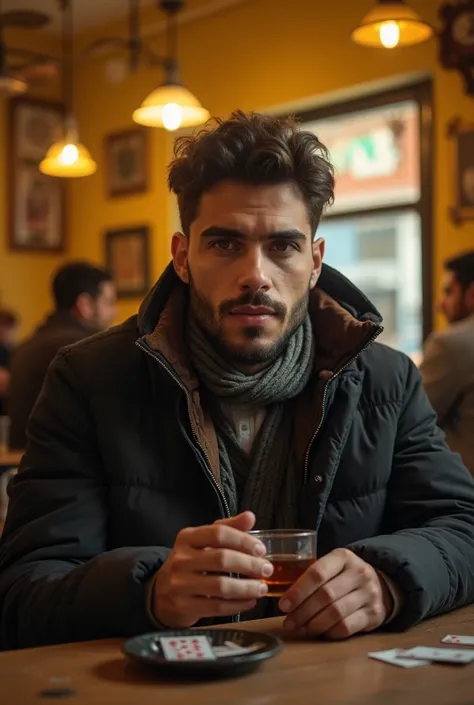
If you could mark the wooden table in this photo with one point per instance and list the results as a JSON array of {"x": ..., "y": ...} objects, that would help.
[{"x": 306, "y": 672}]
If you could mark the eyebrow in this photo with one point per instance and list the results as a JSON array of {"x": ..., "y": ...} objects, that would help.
[{"x": 216, "y": 231}]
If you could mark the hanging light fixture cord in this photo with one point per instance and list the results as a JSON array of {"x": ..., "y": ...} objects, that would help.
[
  {"x": 172, "y": 37},
  {"x": 67, "y": 50}
]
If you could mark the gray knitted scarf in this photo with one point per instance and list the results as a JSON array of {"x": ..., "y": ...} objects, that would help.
[{"x": 266, "y": 481}]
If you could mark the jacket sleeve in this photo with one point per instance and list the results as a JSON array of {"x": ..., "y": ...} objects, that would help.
[
  {"x": 442, "y": 377},
  {"x": 428, "y": 550},
  {"x": 58, "y": 581}
]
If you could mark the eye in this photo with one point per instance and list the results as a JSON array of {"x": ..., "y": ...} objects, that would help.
[
  {"x": 224, "y": 244},
  {"x": 284, "y": 246}
]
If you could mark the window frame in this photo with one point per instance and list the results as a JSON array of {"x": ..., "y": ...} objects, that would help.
[{"x": 422, "y": 94}]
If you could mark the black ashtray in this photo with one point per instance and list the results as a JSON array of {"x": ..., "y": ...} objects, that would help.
[{"x": 237, "y": 652}]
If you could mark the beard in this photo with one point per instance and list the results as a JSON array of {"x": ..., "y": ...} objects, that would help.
[
  {"x": 461, "y": 312},
  {"x": 250, "y": 353}
]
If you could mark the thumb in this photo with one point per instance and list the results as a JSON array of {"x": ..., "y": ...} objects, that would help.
[{"x": 244, "y": 521}]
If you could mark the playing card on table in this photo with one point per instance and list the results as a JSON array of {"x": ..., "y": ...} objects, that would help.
[
  {"x": 458, "y": 639},
  {"x": 461, "y": 656},
  {"x": 229, "y": 648},
  {"x": 187, "y": 648},
  {"x": 393, "y": 658}
]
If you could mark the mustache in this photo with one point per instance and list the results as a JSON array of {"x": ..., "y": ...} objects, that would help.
[{"x": 253, "y": 299}]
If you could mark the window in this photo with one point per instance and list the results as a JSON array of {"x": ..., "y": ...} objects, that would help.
[
  {"x": 381, "y": 255},
  {"x": 378, "y": 231}
]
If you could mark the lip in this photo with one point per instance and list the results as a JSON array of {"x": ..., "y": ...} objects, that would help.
[{"x": 258, "y": 311}]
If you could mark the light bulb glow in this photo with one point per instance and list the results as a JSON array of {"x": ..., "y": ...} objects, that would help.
[
  {"x": 389, "y": 34},
  {"x": 172, "y": 116},
  {"x": 68, "y": 155}
]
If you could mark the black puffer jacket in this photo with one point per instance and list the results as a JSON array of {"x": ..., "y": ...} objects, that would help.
[{"x": 115, "y": 467}]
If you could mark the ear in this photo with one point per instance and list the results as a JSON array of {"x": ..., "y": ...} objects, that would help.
[
  {"x": 179, "y": 252},
  {"x": 84, "y": 306},
  {"x": 318, "y": 254}
]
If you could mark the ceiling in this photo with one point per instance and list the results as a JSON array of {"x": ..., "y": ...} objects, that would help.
[{"x": 91, "y": 13}]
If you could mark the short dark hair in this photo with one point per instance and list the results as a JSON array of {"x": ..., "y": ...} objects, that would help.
[
  {"x": 253, "y": 148},
  {"x": 462, "y": 267},
  {"x": 8, "y": 318},
  {"x": 76, "y": 278}
]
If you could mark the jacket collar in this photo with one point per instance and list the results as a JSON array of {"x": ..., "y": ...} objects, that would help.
[
  {"x": 343, "y": 319},
  {"x": 332, "y": 282},
  {"x": 342, "y": 327}
]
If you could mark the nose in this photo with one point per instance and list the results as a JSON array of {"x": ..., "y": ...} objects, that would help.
[{"x": 253, "y": 274}]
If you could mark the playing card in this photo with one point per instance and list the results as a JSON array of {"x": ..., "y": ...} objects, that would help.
[
  {"x": 461, "y": 656},
  {"x": 187, "y": 648},
  {"x": 231, "y": 649},
  {"x": 458, "y": 639},
  {"x": 392, "y": 657}
]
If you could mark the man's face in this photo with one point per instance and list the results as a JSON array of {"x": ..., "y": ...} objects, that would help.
[
  {"x": 250, "y": 263},
  {"x": 455, "y": 302},
  {"x": 104, "y": 307}
]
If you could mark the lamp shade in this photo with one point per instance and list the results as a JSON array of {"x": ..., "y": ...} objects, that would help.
[
  {"x": 171, "y": 106},
  {"x": 391, "y": 24},
  {"x": 68, "y": 158}
]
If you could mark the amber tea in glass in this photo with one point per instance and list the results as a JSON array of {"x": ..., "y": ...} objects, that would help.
[{"x": 291, "y": 552}]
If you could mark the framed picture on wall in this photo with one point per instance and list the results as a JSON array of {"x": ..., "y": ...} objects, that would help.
[
  {"x": 126, "y": 156},
  {"x": 462, "y": 137},
  {"x": 36, "y": 204},
  {"x": 128, "y": 258}
]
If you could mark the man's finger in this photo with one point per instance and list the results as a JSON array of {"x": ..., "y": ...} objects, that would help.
[
  {"x": 220, "y": 536},
  {"x": 337, "y": 612},
  {"x": 328, "y": 594},
  {"x": 245, "y": 521},
  {"x": 220, "y": 586},
  {"x": 353, "y": 624},
  {"x": 318, "y": 574},
  {"x": 226, "y": 560}
]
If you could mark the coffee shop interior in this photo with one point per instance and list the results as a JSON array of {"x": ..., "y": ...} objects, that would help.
[{"x": 93, "y": 96}]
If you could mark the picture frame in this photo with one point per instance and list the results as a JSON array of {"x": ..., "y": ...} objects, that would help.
[
  {"x": 126, "y": 159},
  {"x": 461, "y": 135},
  {"x": 128, "y": 259},
  {"x": 36, "y": 203}
]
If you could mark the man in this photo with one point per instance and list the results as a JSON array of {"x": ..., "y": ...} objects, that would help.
[
  {"x": 448, "y": 365},
  {"x": 249, "y": 391},
  {"x": 84, "y": 298},
  {"x": 8, "y": 330}
]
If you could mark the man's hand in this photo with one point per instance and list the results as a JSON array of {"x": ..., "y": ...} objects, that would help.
[
  {"x": 339, "y": 595},
  {"x": 194, "y": 581}
]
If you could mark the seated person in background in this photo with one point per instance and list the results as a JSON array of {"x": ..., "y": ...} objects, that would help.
[
  {"x": 250, "y": 390},
  {"x": 447, "y": 368},
  {"x": 8, "y": 330},
  {"x": 84, "y": 298}
]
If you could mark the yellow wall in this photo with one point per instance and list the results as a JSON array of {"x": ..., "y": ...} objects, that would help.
[
  {"x": 24, "y": 277},
  {"x": 260, "y": 54}
]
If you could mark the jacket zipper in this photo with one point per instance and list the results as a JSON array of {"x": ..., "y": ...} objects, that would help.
[
  {"x": 336, "y": 374},
  {"x": 207, "y": 464}
]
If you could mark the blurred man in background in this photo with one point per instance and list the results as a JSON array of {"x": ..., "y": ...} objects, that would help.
[
  {"x": 85, "y": 303},
  {"x": 448, "y": 365},
  {"x": 8, "y": 330}
]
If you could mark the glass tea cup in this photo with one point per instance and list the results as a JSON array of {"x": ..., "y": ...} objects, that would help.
[{"x": 291, "y": 552}]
